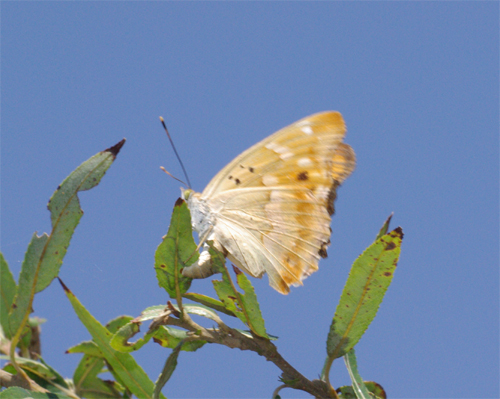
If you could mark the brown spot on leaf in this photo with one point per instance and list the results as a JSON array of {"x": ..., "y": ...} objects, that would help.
[
  {"x": 390, "y": 246},
  {"x": 387, "y": 274},
  {"x": 230, "y": 177},
  {"x": 251, "y": 169},
  {"x": 237, "y": 181}
]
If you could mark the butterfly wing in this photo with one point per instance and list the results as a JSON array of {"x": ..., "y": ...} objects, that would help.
[{"x": 272, "y": 204}]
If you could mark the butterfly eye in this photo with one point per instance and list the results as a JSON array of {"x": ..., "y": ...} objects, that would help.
[{"x": 185, "y": 194}]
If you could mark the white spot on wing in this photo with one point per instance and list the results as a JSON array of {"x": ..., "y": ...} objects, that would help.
[
  {"x": 269, "y": 180},
  {"x": 321, "y": 192},
  {"x": 307, "y": 129},
  {"x": 304, "y": 162},
  {"x": 284, "y": 152}
]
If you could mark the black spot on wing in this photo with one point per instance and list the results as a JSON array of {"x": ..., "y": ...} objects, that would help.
[
  {"x": 332, "y": 196},
  {"x": 302, "y": 176}
]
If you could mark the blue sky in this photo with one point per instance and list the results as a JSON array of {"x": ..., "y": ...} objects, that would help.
[{"x": 418, "y": 86}]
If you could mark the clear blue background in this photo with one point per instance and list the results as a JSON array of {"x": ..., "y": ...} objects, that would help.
[{"x": 418, "y": 86}]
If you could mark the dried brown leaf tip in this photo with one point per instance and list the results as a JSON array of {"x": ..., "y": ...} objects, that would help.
[
  {"x": 236, "y": 270},
  {"x": 179, "y": 201},
  {"x": 397, "y": 232},
  {"x": 116, "y": 148},
  {"x": 64, "y": 286}
]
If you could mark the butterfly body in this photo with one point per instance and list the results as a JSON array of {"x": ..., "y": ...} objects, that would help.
[{"x": 269, "y": 210}]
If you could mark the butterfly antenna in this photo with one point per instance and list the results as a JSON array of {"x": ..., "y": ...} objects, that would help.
[
  {"x": 172, "y": 176},
  {"x": 176, "y": 154}
]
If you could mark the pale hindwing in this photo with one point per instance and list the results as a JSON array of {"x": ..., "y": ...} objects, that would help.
[{"x": 280, "y": 230}]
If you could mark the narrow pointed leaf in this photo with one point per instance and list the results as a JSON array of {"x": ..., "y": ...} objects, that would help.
[
  {"x": 208, "y": 301},
  {"x": 244, "y": 306},
  {"x": 224, "y": 288},
  {"x": 120, "y": 339},
  {"x": 170, "y": 337},
  {"x": 167, "y": 371},
  {"x": 65, "y": 211},
  {"x": 118, "y": 322},
  {"x": 385, "y": 227},
  {"x": 21, "y": 307},
  {"x": 8, "y": 290},
  {"x": 42, "y": 374},
  {"x": 88, "y": 385},
  {"x": 123, "y": 364},
  {"x": 20, "y": 393},
  {"x": 250, "y": 305},
  {"x": 198, "y": 310},
  {"x": 87, "y": 348},
  {"x": 176, "y": 251},
  {"x": 363, "y": 293}
]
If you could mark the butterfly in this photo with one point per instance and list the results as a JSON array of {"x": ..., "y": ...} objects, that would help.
[{"x": 269, "y": 210}]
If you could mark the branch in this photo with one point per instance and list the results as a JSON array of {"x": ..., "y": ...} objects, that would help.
[{"x": 234, "y": 339}]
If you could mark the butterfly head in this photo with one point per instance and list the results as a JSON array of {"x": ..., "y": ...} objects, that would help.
[{"x": 186, "y": 193}]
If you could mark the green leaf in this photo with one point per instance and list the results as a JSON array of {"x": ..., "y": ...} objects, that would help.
[
  {"x": 20, "y": 393},
  {"x": 385, "y": 227},
  {"x": 208, "y": 301},
  {"x": 121, "y": 337},
  {"x": 123, "y": 365},
  {"x": 250, "y": 305},
  {"x": 176, "y": 251},
  {"x": 224, "y": 288},
  {"x": 170, "y": 337},
  {"x": 358, "y": 385},
  {"x": 23, "y": 300},
  {"x": 8, "y": 290},
  {"x": 198, "y": 310},
  {"x": 118, "y": 322},
  {"x": 88, "y": 385},
  {"x": 370, "y": 276},
  {"x": 45, "y": 253},
  {"x": 44, "y": 375},
  {"x": 65, "y": 211},
  {"x": 87, "y": 348},
  {"x": 167, "y": 371},
  {"x": 375, "y": 390},
  {"x": 244, "y": 306}
]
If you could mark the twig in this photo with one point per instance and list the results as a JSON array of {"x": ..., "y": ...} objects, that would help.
[{"x": 234, "y": 339}]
